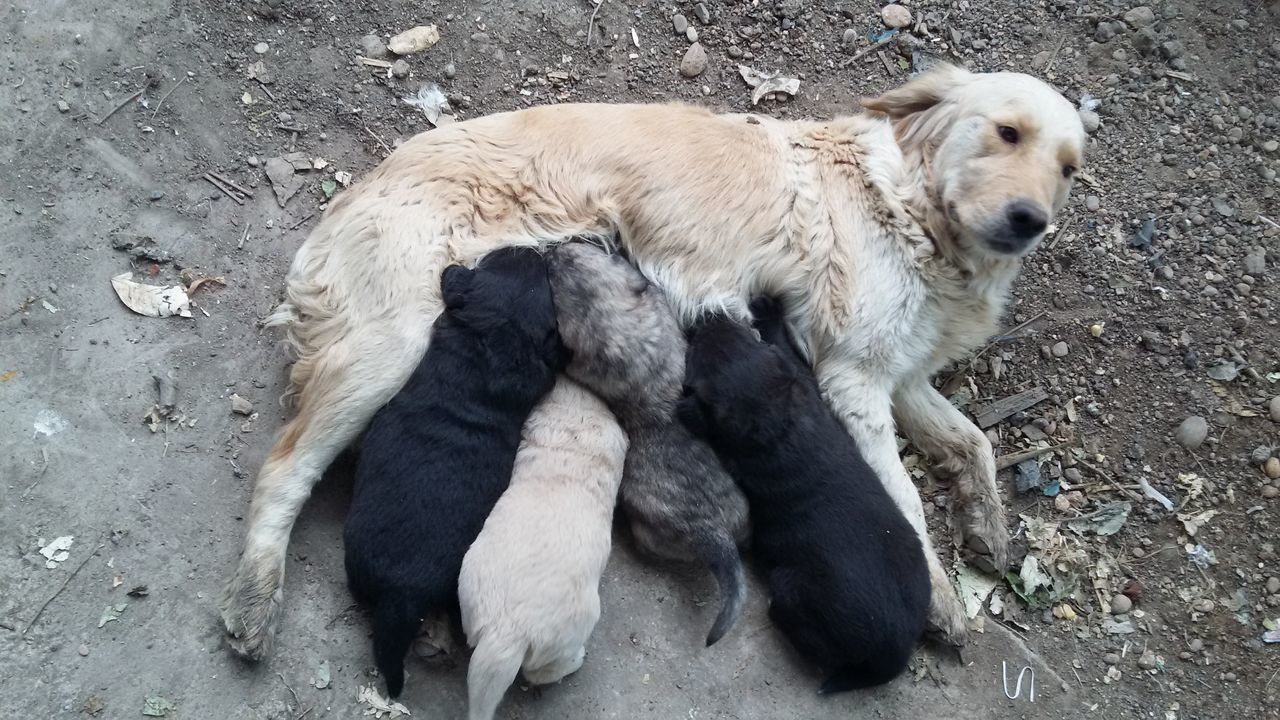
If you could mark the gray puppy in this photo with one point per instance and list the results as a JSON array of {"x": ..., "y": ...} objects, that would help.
[{"x": 628, "y": 349}]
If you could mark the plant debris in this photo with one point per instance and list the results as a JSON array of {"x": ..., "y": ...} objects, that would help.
[
  {"x": 151, "y": 300},
  {"x": 414, "y": 40},
  {"x": 1105, "y": 521},
  {"x": 323, "y": 676},
  {"x": 157, "y": 706},
  {"x": 57, "y": 551},
  {"x": 766, "y": 84},
  {"x": 112, "y": 613},
  {"x": 378, "y": 706}
]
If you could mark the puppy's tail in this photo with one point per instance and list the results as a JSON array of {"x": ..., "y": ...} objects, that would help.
[
  {"x": 721, "y": 556},
  {"x": 494, "y": 665},
  {"x": 395, "y": 622}
]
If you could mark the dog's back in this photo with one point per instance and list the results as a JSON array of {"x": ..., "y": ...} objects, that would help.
[
  {"x": 437, "y": 457},
  {"x": 845, "y": 570}
]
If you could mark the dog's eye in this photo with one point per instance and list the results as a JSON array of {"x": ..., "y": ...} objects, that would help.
[
  {"x": 1068, "y": 171},
  {"x": 1008, "y": 134}
]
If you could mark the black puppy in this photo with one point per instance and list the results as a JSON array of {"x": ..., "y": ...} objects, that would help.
[
  {"x": 846, "y": 573},
  {"x": 435, "y": 459}
]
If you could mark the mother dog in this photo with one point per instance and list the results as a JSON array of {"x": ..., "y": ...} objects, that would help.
[{"x": 894, "y": 236}]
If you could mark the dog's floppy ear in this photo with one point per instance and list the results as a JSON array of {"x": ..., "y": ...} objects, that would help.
[
  {"x": 454, "y": 283},
  {"x": 920, "y": 94}
]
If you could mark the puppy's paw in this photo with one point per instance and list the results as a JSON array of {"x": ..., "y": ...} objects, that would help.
[
  {"x": 946, "y": 613},
  {"x": 984, "y": 533},
  {"x": 251, "y": 608},
  {"x": 435, "y": 641}
]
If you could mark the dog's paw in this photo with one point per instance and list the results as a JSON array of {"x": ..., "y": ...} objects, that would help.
[
  {"x": 435, "y": 639},
  {"x": 985, "y": 534},
  {"x": 946, "y": 613},
  {"x": 251, "y": 610}
]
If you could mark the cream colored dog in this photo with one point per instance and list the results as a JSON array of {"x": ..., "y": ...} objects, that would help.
[
  {"x": 529, "y": 588},
  {"x": 893, "y": 235}
]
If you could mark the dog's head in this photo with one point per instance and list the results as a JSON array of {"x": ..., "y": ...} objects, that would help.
[
  {"x": 507, "y": 297},
  {"x": 626, "y": 343},
  {"x": 737, "y": 389},
  {"x": 1000, "y": 151}
]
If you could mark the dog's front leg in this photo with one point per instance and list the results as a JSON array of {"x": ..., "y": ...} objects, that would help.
[
  {"x": 866, "y": 408},
  {"x": 959, "y": 450}
]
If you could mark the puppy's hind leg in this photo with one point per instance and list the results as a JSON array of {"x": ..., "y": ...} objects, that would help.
[
  {"x": 556, "y": 670},
  {"x": 494, "y": 666},
  {"x": 350, "y": 379}
]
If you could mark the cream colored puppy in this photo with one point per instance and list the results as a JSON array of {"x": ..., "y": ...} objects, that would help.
[{"x": 529, "y": 588}]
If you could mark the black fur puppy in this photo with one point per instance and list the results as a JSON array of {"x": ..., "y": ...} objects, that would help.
[
  {"x": 846, "y": 573},
  {"x": 435, "y": 459}
]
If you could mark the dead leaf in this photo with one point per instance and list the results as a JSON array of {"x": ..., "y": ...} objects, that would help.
[
  {"x": 1103, "y": 522},
  {"x": 323, "y": 676},
  {"x": 151, "y": 300},
  {"x": 112, "y": 613},
  {"x": 58, "y": 550},
  {"x": 975, "y": 587},
  {"x": 156, "y": 706},
  {"x": 378, "y": 706},
  {"x": 1192, "y": 522},
  {"x": 195, "y": 285},
  {"x": 7, "y": 376},
  {"x": 767, "y": 83}
]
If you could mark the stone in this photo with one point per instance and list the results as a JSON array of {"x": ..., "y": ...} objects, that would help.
[
  {"x": 850, "y": 37},
  {"x": 1255, "y": 263},
  {"x": 63, "y": 107},
  {"x": 400, "y": 69},
  {"x": 691, "y": 34},
  {"x": 1196, "y": 645},
  {"x": 1192, "y": 433},
  {"x": 1060, "y": 349},
  {"x": 261, "y": 48},
  {"x": 1147, "y": 660},
  {"x": 694, "y": 61},
  {"x": 680, "y": 23},
  {"x": 895, "y": 16},
  {"x": 240, "y": 406},
  {"x": 1090, "y": 120},
  {"x": 1040, "y": 59},
  {"x": 1274, "y": 407},
  {"x": 1268, "y": 146},
  {"x": 1092, "y": 203},
  {"x": 1121, "y": 604},
  {"x": 1140, "y": 16},
  {"x": 1273, "y": 585},
  {"x": 1272, "y": 468},
  {"x": 1144, "y": 41},
  {"x": 372, "y": 46},
  {"x": 450, "y": 70},
  {"x": 83, "y": 650},
  {"x": 1172, "y": 49},
  {"x": 1111, "y": 658},
  {"x": 1270, "y": 492},
  {"x": 1203, "y": 605},
  {"x": 701, "y": 12},
  {"x": 416, "y": 39},
  {"x": 155, "y": 195},
  {"x": 1260, "y": 454}
]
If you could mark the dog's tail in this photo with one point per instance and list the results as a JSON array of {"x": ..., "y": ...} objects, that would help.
[
  {"x": 720, "y": 554},
  {"x": 395, "y": 622},
  {"x": 861, "y": 675},
  {"x": 494, "y": 665}
]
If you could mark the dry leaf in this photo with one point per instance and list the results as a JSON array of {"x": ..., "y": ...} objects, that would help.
[{"x": 151, "y": 300}]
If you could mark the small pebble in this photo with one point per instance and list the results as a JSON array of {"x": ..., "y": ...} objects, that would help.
[
  {"x": 679, "y": 23},
  {"x": 240, "y": 406},
  {"x": 450, "y": 70},
  {"x": 1092, "y": 203},
  {"x": 1060, "y": 349},
  {"x": 1121, "y": 604},
  {"x": 1260, "y": 454},
  {"x": 83, "y": 650},
  {"x": 1138, "y": 552},
  {"x": 1196, "y": 645},
  {"x": 400, "y": 69},
  {"x": 253, "y": 161},
  {"x": 1140, "y": 17},
  {"x": 1272, "y": 468},
  {"x": 895, "y": 16},
  {"x": 694, "y": 61},
  {"x": 1090, "y": 120},
  {"x": 850, "y": 37},
  {"x": 1111, "y": 658},
  {"x": 261, "y": 48},
  {"x": 1274, "y": 407},
  {"x": 702, "y": 13},
  {"x": 1061, "y": 503},
  {"x": 1229, "y": 677},
  {"x": 373, "y": 47},
  {"x": 1147, "y": 661},
  {"x": 1203, "y": 605},
  {"x": 1192, "y": 433},
  {"x": 155, "y": 195},
  {"x": 691, "y": 34},
  {"x": 63, "y": 106},
  {"x": 1273, "y": 585},
  {"x": 1270, "y": 492}
]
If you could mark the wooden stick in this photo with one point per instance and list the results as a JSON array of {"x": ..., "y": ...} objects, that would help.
[
  {"x": 874, "y": 47},
  {"x": 1110, "y": 480},
  {"x": 380, "y": 140},
  {"x": 225, "y": 189},
  {"x": 1054, "y": 57},
  {"x": 65, "y": 582},
  {"x": 1008, "y": 461},
  {"x": 166, "y": 95},
  {"x": 228, "y": 183},
  {"x": 137, "y": 94}
]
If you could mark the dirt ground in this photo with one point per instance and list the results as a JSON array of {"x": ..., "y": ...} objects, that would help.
[{"x": 1129, "y": 327}]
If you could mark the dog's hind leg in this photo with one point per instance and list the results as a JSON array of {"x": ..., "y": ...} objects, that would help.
[
  {"x": 961, "y": 451},
  {"x": 350, "y": 379},
  {"x": 866, "y": 410}
]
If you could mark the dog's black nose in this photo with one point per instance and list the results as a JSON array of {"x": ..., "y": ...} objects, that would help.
[{"x": 1026, "y": 219}]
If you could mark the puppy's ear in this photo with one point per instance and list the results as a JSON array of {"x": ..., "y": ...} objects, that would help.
[
  {"x": 919, "y": 94},
  {"x": 689, "y": 412},
  {"x": 454, "y": 283}
]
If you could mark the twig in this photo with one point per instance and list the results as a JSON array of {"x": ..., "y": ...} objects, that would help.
[
  {"x": 591, "y": 25},
  {"x": 380, "y": 140},
  {"x": 863, "y": 53},
  {"x": 44, "y": 455},
  {"x": 1008, "y": 461},
  {"x": 266, "y": 90},
  {"x": 298, "y": 224},
  {"x": 1110, "y": 480},
  {"x": 65, "y": 582},
  {"x": 1269, "y": 221},
  {"x": 224, "y": 180},
  {"x": 166, "y": 95},
  {"x": 341, "y": 612},
  {"x": 244, "y": 236},
  {"x": 227, "y": 190},
  {"x": 1054, "y": 57},
  {"x": 137, "y": 94}
]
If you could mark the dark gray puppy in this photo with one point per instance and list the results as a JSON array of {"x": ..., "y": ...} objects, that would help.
[{"x": 628, "y": 349}]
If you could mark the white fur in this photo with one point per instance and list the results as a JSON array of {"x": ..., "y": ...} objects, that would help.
[
  {"x": 529, "y": 588},
  {"x": 872, "y": 226}
]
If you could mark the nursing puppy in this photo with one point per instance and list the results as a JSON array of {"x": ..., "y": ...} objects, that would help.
[
  {"x": 529, "y": 587},
  {"x": 846, "y": 573},
  {"x": 629, "y": 350},
  {"x": 437, "y": 457}
]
